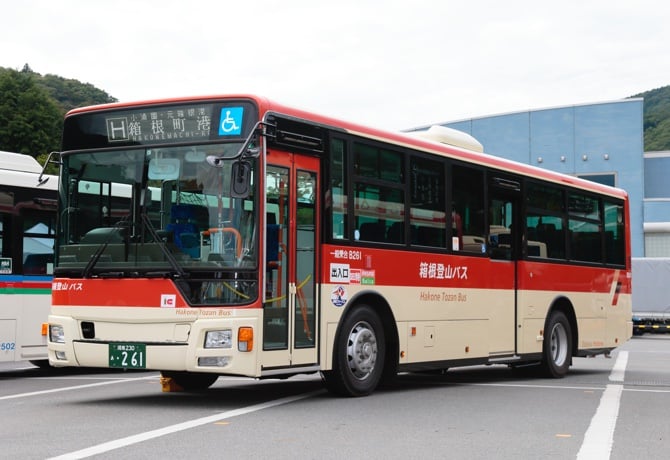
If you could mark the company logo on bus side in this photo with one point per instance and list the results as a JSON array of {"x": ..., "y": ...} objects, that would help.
[{"x": 168, "y": 300}]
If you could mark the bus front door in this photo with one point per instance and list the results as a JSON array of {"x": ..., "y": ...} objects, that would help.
[{"x": 290, "y": 309}]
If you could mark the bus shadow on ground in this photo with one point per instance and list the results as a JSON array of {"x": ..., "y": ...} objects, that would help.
[
  {"x": 230, "y": 393},
  {"x": 495, "y": 374},
  {"x": 222, "y": 396},
  {"x": 233, "y": 392}
]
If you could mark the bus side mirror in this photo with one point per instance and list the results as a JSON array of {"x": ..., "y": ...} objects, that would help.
[
  {"x": 240, "y": 181},
  {"x": 41, "y": 180}
]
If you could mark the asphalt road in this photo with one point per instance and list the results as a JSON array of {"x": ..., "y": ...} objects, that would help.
[{"x": 604, "y": 409}]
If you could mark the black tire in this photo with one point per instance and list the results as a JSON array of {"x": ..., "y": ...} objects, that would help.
[
  {"x": 191, "y": 381},
  {"x": 358, "y": 357},
  {"x": 557, "y": 346}
]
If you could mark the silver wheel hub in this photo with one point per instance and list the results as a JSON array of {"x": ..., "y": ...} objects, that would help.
[
  {"x": 362, "y": 350},
  {"x": 559, "y": 344}
]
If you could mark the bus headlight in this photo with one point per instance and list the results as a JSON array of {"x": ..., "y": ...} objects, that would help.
[
  {"x": 219, "y": 339},
  {"x": 56, "y": 333}
]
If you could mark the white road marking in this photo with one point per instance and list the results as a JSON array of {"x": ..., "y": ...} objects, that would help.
[
  {"x": 619, "y": 368},
  {"x": 76, "y": 387},
  {"x": 141, "y": 437},
  {"x": 599, "y": 436},
  {"x": 526, "y": 385}
]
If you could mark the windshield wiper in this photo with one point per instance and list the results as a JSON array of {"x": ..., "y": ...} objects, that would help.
[
  {"x": 161, "y": 244},
  {"x": 98, "y": 252}
]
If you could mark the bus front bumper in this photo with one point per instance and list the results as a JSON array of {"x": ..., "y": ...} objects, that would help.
[{"x": 196, "y": 352}]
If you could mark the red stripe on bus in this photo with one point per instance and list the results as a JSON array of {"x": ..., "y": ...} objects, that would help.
[
  {"x": 121, "y": 293},
  {"x": 617, "y": 288},
  {"x": 25, "y": 284},
  {"x": 352, "y": 265}
]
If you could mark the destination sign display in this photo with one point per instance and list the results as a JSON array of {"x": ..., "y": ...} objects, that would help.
[{"x": 160, "y": 124}]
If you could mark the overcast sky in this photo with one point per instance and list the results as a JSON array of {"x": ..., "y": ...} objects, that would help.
[{"x": 386, "y": 63}]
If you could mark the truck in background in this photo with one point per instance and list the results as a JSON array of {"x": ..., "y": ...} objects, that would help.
[{"x": 651, "y": 294}]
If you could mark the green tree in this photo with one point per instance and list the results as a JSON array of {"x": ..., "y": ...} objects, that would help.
[
  {"x": 32, "y": 108},
  {"x": 656, "y": 119},
  {"x": 70, "y": 93},
  {"x": 30, "y": 120}
]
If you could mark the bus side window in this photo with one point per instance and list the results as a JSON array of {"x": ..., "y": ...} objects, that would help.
[
  {"x": 272, "y": 242},
  {"x": 430, "y": 236},
  {"x": 468, "y": 205},
  {"x": 396, "y": 233},
  {"x": 500, "y": 246},
  {"x": 372, "y": 231},
  {"x": 38, "y": 264}
]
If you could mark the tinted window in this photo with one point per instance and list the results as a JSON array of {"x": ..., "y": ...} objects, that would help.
[
  {"x": 427, "y": 206},
  {"x": 468, "y": 229}
]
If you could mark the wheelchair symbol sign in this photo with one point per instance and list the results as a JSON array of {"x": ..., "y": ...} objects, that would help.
[{"x": 230, "y": 123}]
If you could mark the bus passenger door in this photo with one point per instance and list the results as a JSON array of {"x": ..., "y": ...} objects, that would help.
[
  {"x": 290, "y": 310},
  {"x": 504, "y": 251}
]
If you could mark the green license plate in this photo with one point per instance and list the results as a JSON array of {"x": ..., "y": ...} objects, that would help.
[{"x": 128, "y": 355}]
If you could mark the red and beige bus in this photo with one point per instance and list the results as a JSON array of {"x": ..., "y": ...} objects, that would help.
[
  {"x": 27, "y": 226},
  {"x": 263, "y": 241}
]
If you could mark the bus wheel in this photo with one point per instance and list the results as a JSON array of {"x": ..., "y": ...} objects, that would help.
[
  {"x": 191, "y": 381},
  {"x": 359, "y": 353},
  {"x": 557, "y": 347}
]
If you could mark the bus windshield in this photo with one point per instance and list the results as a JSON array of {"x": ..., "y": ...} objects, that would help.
[{"x": 159, "y": 212}]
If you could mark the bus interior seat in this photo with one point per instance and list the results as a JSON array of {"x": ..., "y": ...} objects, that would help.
[
  {"x": 430, "y": 236},
  {"x": 501, "y": 246},
  {"x": 554, "y": 239},
  {"x": 504, "y": 239},
  {"x": 396, "y": 233},
  {"x": 185, "y": 233}
]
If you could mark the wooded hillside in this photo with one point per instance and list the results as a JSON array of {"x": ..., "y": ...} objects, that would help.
[
  {"x": 32, "y": 107},
  {"x": 656, "y": 119}
]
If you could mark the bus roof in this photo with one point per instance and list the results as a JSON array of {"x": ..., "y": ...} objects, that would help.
[
  {"x": 19, "y": 162},
  {"x": 466, "y": 150},
  {"x": 20, "y": 170}
]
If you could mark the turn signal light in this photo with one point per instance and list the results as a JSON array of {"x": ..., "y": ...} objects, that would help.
[{"x": 245, "y": 339}]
